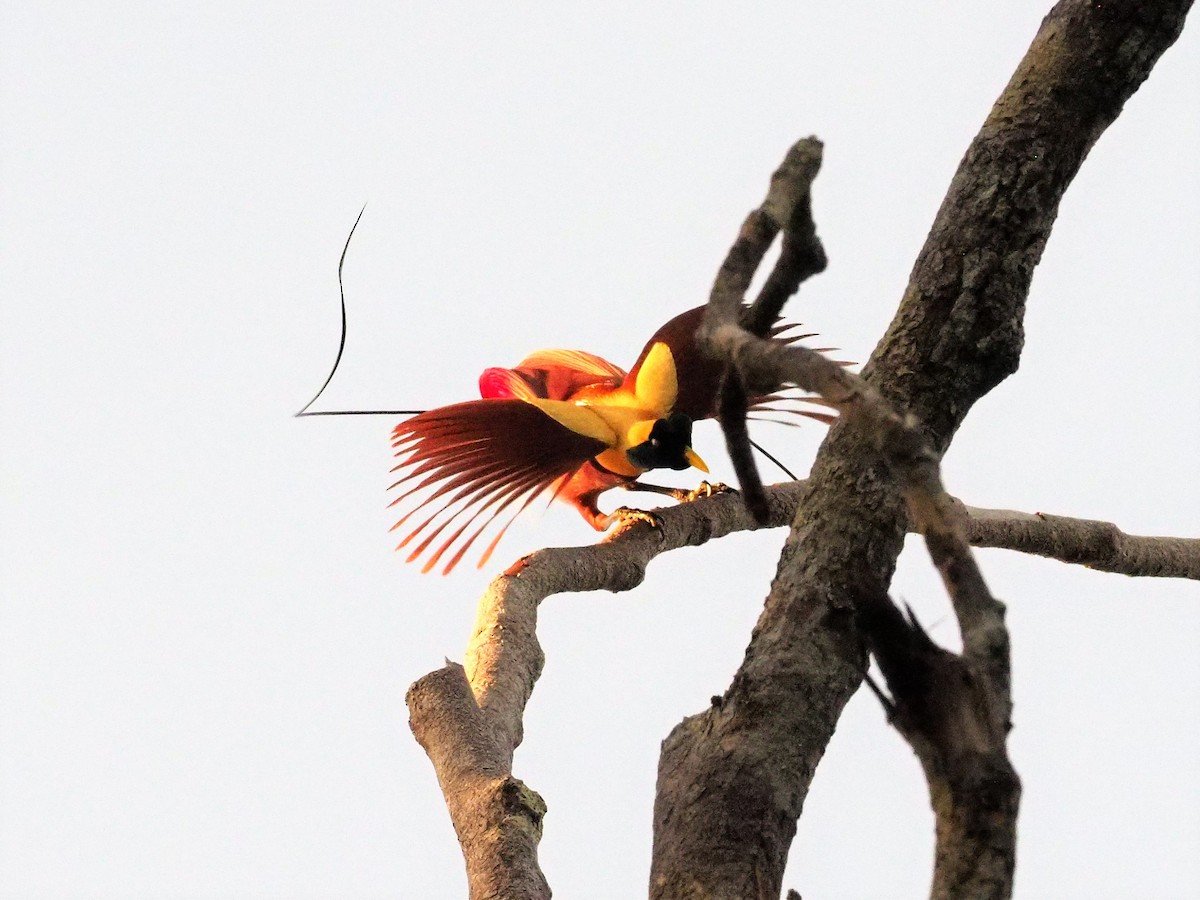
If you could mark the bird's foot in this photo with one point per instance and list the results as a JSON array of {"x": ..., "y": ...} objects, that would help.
[
  {"x": 626, "y": 516},
  {"x": 707, "y": 490}
]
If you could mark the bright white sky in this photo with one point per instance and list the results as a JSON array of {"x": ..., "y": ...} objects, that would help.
[{"x": 205, "y": 637}]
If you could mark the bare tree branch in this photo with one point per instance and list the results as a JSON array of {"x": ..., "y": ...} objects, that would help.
[
  {"x": 498, "y": 819},
  {"x": 469, "y": 720},
  {"x": 952, "y": 713},
  {"x": 732, "y": 779},
  {"x": 788, "y": 208},
  {"x": 1098, "y": 545},
  {"x": 959, "y": 733},
  {"x": 471, "y": 749}
]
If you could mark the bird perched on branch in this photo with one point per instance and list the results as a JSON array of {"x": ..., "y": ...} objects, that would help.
[{"x": 564, "y": 423}]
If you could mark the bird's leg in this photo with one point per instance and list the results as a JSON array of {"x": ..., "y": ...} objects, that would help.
[
  {"x": 674, "y": 493},
  {"x": 681, "y": 494},
  {"x": 623, "y": 515},
  {"x": 627, "y": 515}
]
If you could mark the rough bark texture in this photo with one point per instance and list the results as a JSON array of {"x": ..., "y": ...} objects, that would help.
[
  {"x": 1098, "y": 545},
  {"x": 497, "y": 818},
  {"x": 732, "y": 779},
  {"x": 469, "y": 719},
  {"x": 959, "y": 734},
  {"x": 953, "y": 711}
]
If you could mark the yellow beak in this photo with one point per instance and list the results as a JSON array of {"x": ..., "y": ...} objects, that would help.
[{"x": 694, "y": 458}]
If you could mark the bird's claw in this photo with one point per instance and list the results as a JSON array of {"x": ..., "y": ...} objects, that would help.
[
  {"x": 708, "y": 490},
  {"x": 626, "y": 516}
]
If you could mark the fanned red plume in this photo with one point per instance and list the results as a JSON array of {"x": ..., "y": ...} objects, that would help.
[{"x": 471, "y": 462}]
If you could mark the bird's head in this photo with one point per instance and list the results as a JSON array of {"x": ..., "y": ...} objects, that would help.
[{"x": 669, "y": 446}]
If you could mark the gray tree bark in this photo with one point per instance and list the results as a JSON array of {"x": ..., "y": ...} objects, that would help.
[{"x": 733, "y": 778}]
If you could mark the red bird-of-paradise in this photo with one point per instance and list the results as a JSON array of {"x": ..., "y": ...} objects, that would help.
[{"x": 562, "y": 422}]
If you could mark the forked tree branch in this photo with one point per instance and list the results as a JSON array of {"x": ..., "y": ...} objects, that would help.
[
  {"x": 732, "y": 780},
  {"x": 787, "y": 209},
  {"x": 470, "y": 720},
  {"x": 958, "y": 733}
]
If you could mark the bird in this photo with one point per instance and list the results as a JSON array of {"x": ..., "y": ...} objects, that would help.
[{"x": 566, "y": 423}]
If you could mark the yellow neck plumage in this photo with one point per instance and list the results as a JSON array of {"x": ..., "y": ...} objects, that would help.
[{"x": 622, "y": 418}]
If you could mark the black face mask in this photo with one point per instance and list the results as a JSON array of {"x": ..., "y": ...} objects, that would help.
[{"x": 665, "y": 447}]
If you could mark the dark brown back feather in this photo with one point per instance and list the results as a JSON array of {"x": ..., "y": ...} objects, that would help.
[{"x": 699, "y": 377}]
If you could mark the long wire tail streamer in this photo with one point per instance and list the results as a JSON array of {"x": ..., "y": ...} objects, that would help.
[{"x": 304, "y": 410}]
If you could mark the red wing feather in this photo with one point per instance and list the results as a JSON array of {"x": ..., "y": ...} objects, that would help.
[{"x": 473, "y": 461}]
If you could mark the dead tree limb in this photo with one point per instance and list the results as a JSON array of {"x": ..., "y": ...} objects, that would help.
[
  {"x": 732, "y": 779},
  {"x": 468, "y": 718},
  {"x": 1086, "y": 542},
  {"x": 472, "y": 750},
  {"x": 953, "y": 714},
  {"x": 787, "y": 209},
  {"x": 959, "y": 733}
]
